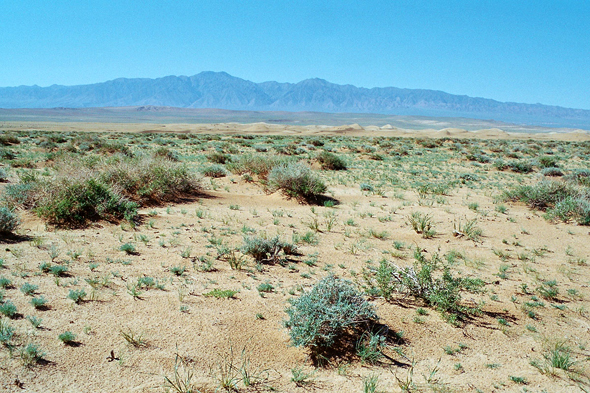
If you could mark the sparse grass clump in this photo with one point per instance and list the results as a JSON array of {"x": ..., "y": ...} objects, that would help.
[
  {"x": 331, "y": 310},
  {"x": 428, "y": 280},
  {"x": 422, "y": 224},
  {"x": 221, "y": 293},
  {"x": 297, "y": 181},
  {"x": 28, "y": 288},
  {"x": 267, "y": 250},
  {"x": 84, "y": 190},
  {"x": 562, "y": 200}
]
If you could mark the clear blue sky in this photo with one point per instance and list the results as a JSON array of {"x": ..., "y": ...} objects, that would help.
[{"x": 523, "y": 51}]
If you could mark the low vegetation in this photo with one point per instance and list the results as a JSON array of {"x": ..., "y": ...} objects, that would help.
[{"x": 333, "y": 262}]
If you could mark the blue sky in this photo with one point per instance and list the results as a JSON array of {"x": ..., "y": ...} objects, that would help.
[{"x": 522, "y": 51}]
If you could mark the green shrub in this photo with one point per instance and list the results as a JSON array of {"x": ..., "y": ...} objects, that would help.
[
  {"x": 221, "y": 293},
  {"x": 58, "y": 270},
  {"x": 563, "y": 200},
  {"x": 38, "y": 302},
  {"x": 215, "y": 171},
  {"x": 67, "y": 337},
  {"x": 427, "y": 280},
  {"x": 77, "y": 295},
  {"x": 520, "y": 166},
  {"x": 296, "y": 180},
  {"x": 6, "y": 332},
  {"x": 73, "y": 202},
  {"x": 552, "y": 172},
  {"x": 28, "y": 288},
  {"x": 31, "y": 354},
  {"x": 101, "y": 189},
  {"x": 219, "y": 158},
  {"x": 332, "y": 310},
  {"x": 331, "y": 161},
  {"x": 128, "y": 248},
  {"x": 8, "y": 309},
  {"x": 255, "y": 165},
  {"x": 166, "y": 153},
  {"x": 8, "y": 220},
  {"x": 548, "y": 162}
]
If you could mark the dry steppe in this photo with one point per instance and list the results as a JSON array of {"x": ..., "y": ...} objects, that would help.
[{"x": 150, "y": 318}]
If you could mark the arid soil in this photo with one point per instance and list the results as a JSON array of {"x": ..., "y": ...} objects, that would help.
[{"x": 178, "y": 246}]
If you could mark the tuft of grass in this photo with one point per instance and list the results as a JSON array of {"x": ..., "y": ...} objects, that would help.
[
  {"x": 128, "y": 248},
  {"x": 422, "y": 224},
  {"x": 134, "y": 338},
  {"x": 300, "y": 378},
  {"x": 331, "y": 161},
  {"x": 221, "y": 293}
]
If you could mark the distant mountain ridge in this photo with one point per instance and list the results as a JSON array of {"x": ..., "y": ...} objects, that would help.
[{"x": 221, "y": 90}]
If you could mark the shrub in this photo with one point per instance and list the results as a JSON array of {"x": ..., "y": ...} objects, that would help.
[
  {"x": 3, "y": 176},
  {"x": 260, "y": 166},
  {"x": 31, "y": 354},
  {"x": 520, "y": 166},
  {"x": 542, "y": 195},
  {"x": 77, "y": 295},
  {"x": 6, "y": 332},
  {"x": 215, "y": 171},
  {"x": 332, "y": 310},
  {"x": 8, "y": 220},
  {"x": 101, "y": 189},
  {"x": 548, "y": 162},
  {"x": 218, "y": 158},
  {"x": 331, "y": 161},
  {"x": 221, "y": 293},
  {"x": 8, "y": 309},
  {"x": 427, "y": 280},
  {"x": 38, "y": 302},
  {"x": 67, "y": 337},
  {"x": 166, "y": 153},
  {"x": 267, "y": 250},
  {"x": 562, "y": 200},
  {"x": 128, "y": 248},
  {"x": 551, "y": 171},
  {"x": 29, "y": 289},
  {"x": 295, "y": 180}
]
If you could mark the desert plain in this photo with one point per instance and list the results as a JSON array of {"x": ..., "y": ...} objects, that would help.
[{"x": 175, "y": 300}]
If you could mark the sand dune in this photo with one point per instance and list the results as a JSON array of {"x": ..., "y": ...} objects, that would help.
[{"x": 278, "y": 129}]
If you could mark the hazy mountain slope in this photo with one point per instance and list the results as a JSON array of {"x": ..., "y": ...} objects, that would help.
[{"x": 221, "y": 90}]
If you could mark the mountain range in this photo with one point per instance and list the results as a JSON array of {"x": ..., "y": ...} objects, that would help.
[{"x": 221, "y": 90}]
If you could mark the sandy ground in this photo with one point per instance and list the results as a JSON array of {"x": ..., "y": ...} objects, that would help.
[
  {"x": 278, "y": 129},
  {"x": 179, "y": 320}
]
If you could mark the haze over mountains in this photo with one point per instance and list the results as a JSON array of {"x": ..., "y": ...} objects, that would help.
[{"x": 221, "y": 90}]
